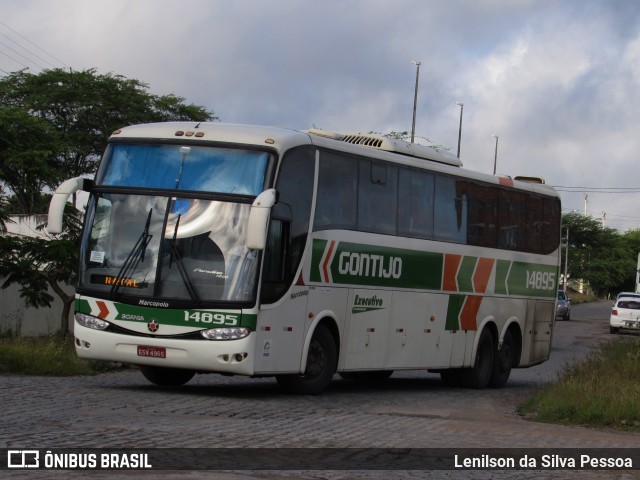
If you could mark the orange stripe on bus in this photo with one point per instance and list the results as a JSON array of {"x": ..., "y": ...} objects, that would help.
[
  {"x": 325, "y": 264},
  {"x": 469, "y": 314},
  {"x": 481, "y": 276},
  {"x": 104, "y": 310},
  {"x": 451, "y": 265}
]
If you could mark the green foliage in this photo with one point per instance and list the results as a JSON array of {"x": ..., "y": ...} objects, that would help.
[
  {"x": 4, "y": 215},
  {"x": 45, "y": 356},
  {"x": 29, "y": 160},
  {"x": 53, "y": 126},
  {"x": 63, "y": 119},
  {"x": 36, "y": 264},
  {"x": 603, "y": 390},
  {"x": 603, "y": 257}
]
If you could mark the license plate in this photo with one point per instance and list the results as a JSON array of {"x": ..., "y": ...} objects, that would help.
[{"x": 155, "y": 352}]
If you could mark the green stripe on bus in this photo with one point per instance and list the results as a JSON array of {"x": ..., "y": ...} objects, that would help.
[
  {"x": 345, "y": 263},
  {"x": 317, "y": 252},
  {"x": 358, "y": 264},
  {"x": 465, "y": 274},
  {"x": 182, "y": 318},
  {"x": 456, "y": 302},
  {"x": 502, "y": 270}
]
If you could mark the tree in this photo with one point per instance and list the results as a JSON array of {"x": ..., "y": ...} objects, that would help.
[
  {"x": 4, "y": 215},
  {"x": 28, "y": 157},
  {"x": 36, "y": 264},
  {"x": 54, "y": 125},
  {"x": 75, "y": 112},
  {"x": 600, "y": 256}
]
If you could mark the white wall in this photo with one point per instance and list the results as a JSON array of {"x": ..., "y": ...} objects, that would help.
[{"x": 14, "y": 314}]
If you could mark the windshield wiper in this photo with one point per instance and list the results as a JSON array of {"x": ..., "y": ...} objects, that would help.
[
  {"x": 181, "y": 268},
  {"x": 136, "y": 255}
]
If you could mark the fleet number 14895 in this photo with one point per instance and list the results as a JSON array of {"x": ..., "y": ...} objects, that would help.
[
  {"x": 213, "y": 318},
  {"x": 541, "y": 280}
]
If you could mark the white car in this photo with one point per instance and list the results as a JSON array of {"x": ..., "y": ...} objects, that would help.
[{"x": 625, "y": 314}]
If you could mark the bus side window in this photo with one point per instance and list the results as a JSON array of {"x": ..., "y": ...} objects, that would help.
[
  {"x": 551, "y": 225},
  {"x": 483, "y": 215},
  {"x": 450, "y": 210},
  {"x": 337, "y": 201},
  {"x": 377, "y": 198},
  {"x": 415, "y": 204}
]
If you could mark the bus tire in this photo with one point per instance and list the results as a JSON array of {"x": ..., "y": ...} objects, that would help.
[
  {"x": 322, "y": 362},
  {"x": 502, "y": 362},
  {"x": 478, "y": 376},
  {"x": 370, "y": 376},
  {"x": 167, "y": 377}
]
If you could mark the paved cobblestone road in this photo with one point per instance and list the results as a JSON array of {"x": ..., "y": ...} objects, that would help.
[{"x": 410, "y": 410}]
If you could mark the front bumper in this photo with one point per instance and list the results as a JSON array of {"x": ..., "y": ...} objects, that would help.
[{"x": 224, "y": 356}]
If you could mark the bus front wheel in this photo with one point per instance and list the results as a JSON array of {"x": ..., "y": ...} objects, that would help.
[
  {"x": 167, "y": 377},
  {"x": 322, "y": 361}
]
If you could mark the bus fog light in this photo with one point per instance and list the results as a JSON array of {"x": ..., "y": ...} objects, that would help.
[
  {"x": 90, "y": 321},
  {"x": 232, "y": 333}
]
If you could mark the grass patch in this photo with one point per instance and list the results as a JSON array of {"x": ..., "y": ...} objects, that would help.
[
  {"x": 45, "y": 356},
  {"x": 603, "y": 390},
  {"x": 577, "y": 298}
]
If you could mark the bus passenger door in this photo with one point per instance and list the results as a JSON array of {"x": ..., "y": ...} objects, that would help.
[{"x": 280, "y": 333}]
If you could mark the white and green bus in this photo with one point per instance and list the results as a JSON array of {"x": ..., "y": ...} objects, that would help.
[{"x": 214, "y": 248}]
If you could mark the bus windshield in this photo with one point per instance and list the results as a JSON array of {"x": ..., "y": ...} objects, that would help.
[
  {"x": 165, "y": 244},
  {"x": 167, "y": 247},
  {"x": 176, "y": 167}
]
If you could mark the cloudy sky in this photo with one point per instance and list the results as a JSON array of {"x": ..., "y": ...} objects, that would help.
[{"x": 557, "y": 81}]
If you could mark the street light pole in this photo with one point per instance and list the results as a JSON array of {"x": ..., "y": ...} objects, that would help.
[
  {"x": 415, "y": 100},
  {"x": 566, "y": 262},
  {"x": 495, "y": 156},
  {"x": 460, "y": 127}
]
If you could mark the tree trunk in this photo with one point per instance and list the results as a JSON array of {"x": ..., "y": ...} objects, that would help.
[{"x": 68, "y": 302}]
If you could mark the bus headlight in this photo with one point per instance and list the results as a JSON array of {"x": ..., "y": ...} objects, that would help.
[
  {"x": 90, "y": 321},
  {"x": 230, "y": 333}
]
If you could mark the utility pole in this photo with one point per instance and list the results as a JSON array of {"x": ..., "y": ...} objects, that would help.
[
  {"x": 586, "y": 202},
  {"x": 415, "y": 100},
  {"x": 495, "y": 156},
  {"x": 460, "y": 127},
  {"x": 566, "y": 262}
]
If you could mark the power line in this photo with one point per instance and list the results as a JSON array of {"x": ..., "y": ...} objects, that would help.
[
  {"x": 19, "y": 54},
  {"x": 15, "y": 60},
  {"x": 33, "y": 44},
  {"x": 27, "y": 50}
]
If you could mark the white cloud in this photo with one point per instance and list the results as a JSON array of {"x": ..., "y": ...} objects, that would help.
[{"x": 557, "y": 81}]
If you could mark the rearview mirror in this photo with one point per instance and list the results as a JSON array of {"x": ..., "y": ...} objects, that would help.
[
  {"x": 59, "y": 200},
  {"x": 259, "y": 219}
]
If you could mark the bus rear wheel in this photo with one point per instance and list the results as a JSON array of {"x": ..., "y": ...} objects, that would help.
[
  {"x": 479, "y": 375},
  {"x": 167, "y": 377},
  {"x": 502, "y": 362},
  {"x": 322, "y": 361}
]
